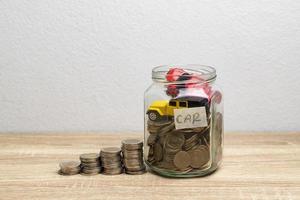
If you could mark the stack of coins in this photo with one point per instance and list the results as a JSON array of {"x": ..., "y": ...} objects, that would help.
[
  {"x": 133, "y": 156},
  {"x": 69, "y": 168},
  {"x": 111, "y": 160},
  {"x": 90, "y": 163}
]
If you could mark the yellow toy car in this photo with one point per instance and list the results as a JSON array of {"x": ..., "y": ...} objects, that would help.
[{"x": 165, "y": 108}]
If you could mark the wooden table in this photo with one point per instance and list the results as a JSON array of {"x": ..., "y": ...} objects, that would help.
[{"x": 255, "y": 166}]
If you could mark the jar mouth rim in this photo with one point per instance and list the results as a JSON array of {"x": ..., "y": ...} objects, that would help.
[{"x": 205, "y": 72}]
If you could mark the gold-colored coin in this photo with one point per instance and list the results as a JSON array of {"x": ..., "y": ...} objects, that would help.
[
  {"x": 114, "y": 171},
  {"x": 152, "y": 139},
  {"x": 89, "y": 157},
  {"x": 166, "y": 165},
  {"x": 111, "y": 157},
  {"x": 150, "y": 157},
  {"x": 132, "y": 144},
  {"x": 69, "y": 164},
  {"x": 112, "y": 165},
  {"x": 131, "y": 155},
  {"x": 159, "y": 123},
  {"x": 135, "y": 172},
  {"x": 91, "y": 171},
  {"x": 167, "y": 128},
  {"x": 133, "y": 161},
  {"x": 169, "y": 158},
  {"x": 191, "y": 138},
  {"x": 60, "y": 172},
  {"x": 110, "y": 151},
  {"x": 174, "y": 142},
  {"x": 199, "y": 156},
  {"x": 89, "y": 174},
  {"x": 182, "y": 160},
  {"x": 69, "y": 168},
  {"x": 158, "y": 152},
  {"x": 90, "y": 164},
  {"x": 191, "y": 146},
  {"x": 191, "y": 142},
  {"x": 153, "y": 129},
  {"x": 133, "y": 169},
  {"x": 162, "y": 139}
]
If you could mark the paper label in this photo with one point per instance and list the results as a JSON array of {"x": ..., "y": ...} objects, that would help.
[{"x": 190, "y": 117}]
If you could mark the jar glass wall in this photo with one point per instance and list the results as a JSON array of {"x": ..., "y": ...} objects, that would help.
[{"x": 183, "y": 121}]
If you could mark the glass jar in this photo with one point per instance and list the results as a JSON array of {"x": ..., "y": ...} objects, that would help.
[{"x": 183, "y": 121}]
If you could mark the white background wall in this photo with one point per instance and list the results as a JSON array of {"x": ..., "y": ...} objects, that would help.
[{"x": 68, "y": 65}]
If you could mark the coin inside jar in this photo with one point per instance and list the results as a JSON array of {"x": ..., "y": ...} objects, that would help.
[
  {"x": 182, "y": 160},
  {"x": 158, "y": 152},
  {"x": 174, "y": 140},
  {"x": 152, "y": 139},
  {"x": 159, "y": 123},
  {"x": 199, "y": 156},
  {"x": 167, "y": 128}
]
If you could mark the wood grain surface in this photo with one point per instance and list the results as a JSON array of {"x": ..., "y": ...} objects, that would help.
[{"x": 255, "y": 166}]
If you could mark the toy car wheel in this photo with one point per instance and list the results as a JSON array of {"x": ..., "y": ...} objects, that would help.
[{"x": 153, "y": 116}]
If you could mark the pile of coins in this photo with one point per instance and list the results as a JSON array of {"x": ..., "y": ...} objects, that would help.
[
  {"x": 179, "y": 150},
  {"x": 133, "y": 156},
  {"x": 90, "y": 164},
  {"x": 111, "y": 160},
  {"x": 69, "y": 168}
]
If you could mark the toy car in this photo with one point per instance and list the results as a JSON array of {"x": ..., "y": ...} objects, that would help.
[{"x": 165, "y": 108}]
